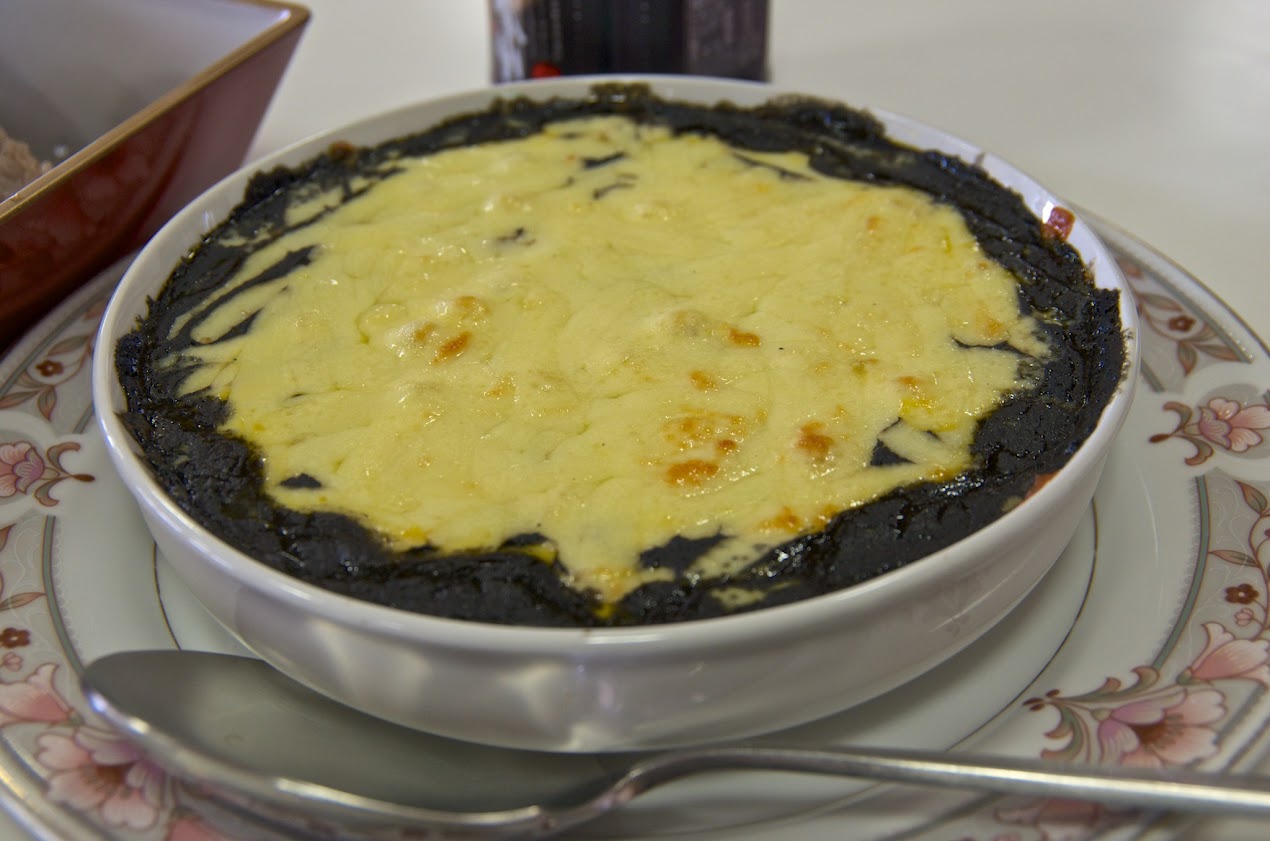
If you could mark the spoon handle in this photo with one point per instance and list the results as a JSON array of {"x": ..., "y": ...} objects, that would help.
[{"x": 1173, "y": 789}]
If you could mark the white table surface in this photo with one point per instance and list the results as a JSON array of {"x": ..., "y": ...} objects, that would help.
[{"x": 1153, "y": 114}]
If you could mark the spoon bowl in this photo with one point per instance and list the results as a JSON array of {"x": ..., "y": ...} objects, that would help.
[{"x": 260, "y": 749}]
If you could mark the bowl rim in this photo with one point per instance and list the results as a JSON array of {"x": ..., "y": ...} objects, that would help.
[
  {"x": 288, "y": 17},
  {"x": 736, "y": 630}
]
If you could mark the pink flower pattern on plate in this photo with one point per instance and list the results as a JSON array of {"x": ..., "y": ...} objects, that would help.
[
  {"x": 1226, "y": 657},
  {"x": 1175, "y": 325},
  {"x": 98, "y": 771},
  {"x": 23, "y": 470},
  {"x": 40, "y": 381},
  {"x": 34, "y": 699},
  {"x": 1156, "y": 722},
  {"x": 1168, "y": 729},
  {"x": 1221, "y": 423},
  {"x": 1060, "y": 820},
  {"x": 20, "y": 468},
  {"x": 1232, "y": 426}
]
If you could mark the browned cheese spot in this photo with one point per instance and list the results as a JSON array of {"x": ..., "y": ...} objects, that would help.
[
  {"x": 471, "y": 306},
  {"x": 424, "y": 332},
  {"x": 813, "y": 442},
  {"x": 703, "y": 381},
  {"x": 451, "y": 348},
  {"x": 786, "y": 520},
  {"x": 742, "y": 338},
  {"x": 691, "y": 473}
]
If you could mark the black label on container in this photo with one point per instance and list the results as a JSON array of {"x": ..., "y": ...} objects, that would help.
[{"x": 540, "y": 38}]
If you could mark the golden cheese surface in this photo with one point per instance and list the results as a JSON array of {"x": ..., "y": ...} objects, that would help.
[{"x": 611, "y": 337}]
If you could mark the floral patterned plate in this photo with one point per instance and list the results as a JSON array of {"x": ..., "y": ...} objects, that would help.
[{"x": 1148, "y": 644}]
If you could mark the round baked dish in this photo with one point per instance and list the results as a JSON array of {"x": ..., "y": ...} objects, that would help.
[
  {"x": 687, "y": 370},
  {"x": 618, "y": 360}
]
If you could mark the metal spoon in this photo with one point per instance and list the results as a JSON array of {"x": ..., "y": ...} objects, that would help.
[{"x": 256, "y": 749}]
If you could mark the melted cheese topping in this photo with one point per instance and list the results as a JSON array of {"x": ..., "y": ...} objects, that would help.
[{"x": 611, "y": 337}]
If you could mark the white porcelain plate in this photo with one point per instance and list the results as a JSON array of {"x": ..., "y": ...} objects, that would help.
[{"x": 1149, "y": 643}]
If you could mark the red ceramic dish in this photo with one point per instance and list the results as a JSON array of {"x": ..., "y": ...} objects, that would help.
[{"x": 108, "y": 197}]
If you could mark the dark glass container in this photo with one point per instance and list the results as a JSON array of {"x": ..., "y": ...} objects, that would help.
[{"x": 539, "y": 38}]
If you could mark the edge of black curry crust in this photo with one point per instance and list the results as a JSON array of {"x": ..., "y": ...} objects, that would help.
[{"x": 217, "y": 478}]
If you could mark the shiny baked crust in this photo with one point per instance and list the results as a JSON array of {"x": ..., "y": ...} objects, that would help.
[{"x": 219, "y": 478}]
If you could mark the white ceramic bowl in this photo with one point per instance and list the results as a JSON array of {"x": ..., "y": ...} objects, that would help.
[{"x": 623, "y": 688}]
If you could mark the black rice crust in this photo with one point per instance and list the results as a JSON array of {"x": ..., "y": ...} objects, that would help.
[{"x": 218, "y": 480}]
